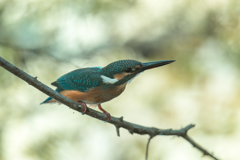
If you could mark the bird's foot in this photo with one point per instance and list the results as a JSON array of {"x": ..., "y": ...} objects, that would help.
[
  {"x": 84, "y": 105},
  {"x": 105, "y": 112}
]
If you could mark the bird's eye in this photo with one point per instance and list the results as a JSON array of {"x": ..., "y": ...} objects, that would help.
[{"x": 128, "y": 70}]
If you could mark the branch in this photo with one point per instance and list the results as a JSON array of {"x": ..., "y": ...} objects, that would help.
[{"x": 117, "y": 122}]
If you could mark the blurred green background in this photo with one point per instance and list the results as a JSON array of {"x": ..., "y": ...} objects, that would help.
[{"x": 48, "y": 38}]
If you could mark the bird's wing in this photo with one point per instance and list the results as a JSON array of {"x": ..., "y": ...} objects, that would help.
[{"x": 80, "y": 79}]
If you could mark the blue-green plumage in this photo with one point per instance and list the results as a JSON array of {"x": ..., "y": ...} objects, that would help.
[
  {"x": 87, "y": 78},
  {"x": 80, "y": 79},
  {"x": 50, "y": 98},
  {"x": 97, "y": 85}
]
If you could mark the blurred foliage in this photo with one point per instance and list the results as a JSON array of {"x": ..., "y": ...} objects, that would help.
[{"x": 50, "y": 38}]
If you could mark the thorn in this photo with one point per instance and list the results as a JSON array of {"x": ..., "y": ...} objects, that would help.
[
  {"x": 130, "y": 131},
  {"x": 121, "y": 118},
  {"x": 35, "y": 77},
  {"x": 117, "y": 130}
]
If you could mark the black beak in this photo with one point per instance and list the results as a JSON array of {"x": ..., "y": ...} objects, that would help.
[{"x": 150, "y": 65}]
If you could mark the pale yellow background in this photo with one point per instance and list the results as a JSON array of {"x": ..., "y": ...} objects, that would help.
[{"x": 48, "y": 38}]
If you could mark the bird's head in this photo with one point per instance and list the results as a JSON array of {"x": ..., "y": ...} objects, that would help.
[{"x": 122, "y": 71}]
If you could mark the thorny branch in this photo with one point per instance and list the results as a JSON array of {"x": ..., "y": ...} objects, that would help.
[{"x": 117, "y": 122}]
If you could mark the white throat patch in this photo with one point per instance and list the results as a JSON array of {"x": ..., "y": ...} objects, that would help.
[{"x": 108, "y": 80}]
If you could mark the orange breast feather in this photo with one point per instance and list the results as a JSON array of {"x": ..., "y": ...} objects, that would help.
[{"x": 93, "y": 96}]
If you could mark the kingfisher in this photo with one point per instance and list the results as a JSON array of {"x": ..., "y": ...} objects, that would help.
[{"x": 96, "y": 85}]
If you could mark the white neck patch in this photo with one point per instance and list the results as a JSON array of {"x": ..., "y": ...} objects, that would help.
[{"x": 108, "y": 80}]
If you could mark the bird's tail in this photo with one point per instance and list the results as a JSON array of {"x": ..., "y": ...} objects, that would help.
[{"x": 48, "y": 100}]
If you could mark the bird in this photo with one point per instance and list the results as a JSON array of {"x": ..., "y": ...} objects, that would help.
[{"x": 96, "y": 85}]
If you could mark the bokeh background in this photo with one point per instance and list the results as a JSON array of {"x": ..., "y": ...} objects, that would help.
[{"x": 48, "y": 38}]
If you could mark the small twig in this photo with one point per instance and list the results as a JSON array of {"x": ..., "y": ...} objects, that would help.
[
  {"x": 121, "y": 119},
  {"x": 131, "y": 127},
  {"x": 147, "y": 148},
  {"x": 130, "y": 131},
  {"x": 117, "y": 130},
  {"x": 205, "y": 152}
]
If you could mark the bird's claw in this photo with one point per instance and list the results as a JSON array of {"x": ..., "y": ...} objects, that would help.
[
  {"x": 84, "y": 105},
  {"x": 108, "y": 116},
  {"x": 105, "y": 112}
]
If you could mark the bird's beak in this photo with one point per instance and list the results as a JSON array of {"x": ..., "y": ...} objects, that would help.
[{"x": 150, "y": 65}]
